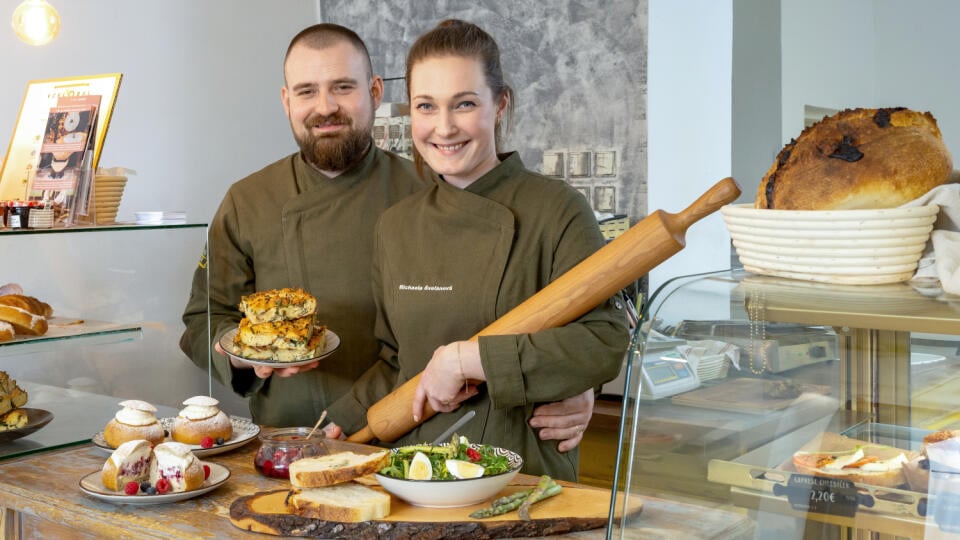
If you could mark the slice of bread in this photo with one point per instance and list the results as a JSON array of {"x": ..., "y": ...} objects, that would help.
[
  {"x": 349, "y": 502},
  {"x": 292, "y": 334},
  {"x": 336, "y": 468},
  {"x": 312, "y": 349},
  {"x": 278, "y": 305}
]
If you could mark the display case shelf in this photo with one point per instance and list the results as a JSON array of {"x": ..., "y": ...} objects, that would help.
[{"x": 879, "y": 364}]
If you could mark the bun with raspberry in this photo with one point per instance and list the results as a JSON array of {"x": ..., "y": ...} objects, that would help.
[
  {"x": 201, "y": 418},
  {"x": 130, "y": 462}
]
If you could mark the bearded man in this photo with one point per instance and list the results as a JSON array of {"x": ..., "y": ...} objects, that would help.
[{"x": 307, "y": 221}]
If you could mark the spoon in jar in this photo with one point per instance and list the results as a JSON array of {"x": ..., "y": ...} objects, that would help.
[{"x": 315, "y": 426}]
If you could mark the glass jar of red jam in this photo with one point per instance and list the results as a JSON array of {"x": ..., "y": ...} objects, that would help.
[
  {"x": 18, "y": 214},
  {"x": 279, "y": 447}
]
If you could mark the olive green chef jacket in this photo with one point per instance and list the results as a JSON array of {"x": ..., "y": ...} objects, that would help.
[
  {"x": 447, "y": 263},
  {"x": 288, "y": 225}
]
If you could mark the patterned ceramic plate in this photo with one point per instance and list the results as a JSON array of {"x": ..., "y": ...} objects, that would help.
[
  {"x": 330, "y": 344},
  {"x": 244, "y": 431}
]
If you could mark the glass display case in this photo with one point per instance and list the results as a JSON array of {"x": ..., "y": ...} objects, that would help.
[
  {"x": 803, "y": 405},
  {"x": 117, "y": 294}
]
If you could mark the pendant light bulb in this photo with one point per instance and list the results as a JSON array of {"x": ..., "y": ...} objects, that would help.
[{"x": 36, "y": 22}]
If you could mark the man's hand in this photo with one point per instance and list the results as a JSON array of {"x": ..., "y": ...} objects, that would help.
[{"x": 564, "y": 421}]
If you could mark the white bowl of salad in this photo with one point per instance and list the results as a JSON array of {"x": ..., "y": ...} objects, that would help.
[{"x": 450, "y": 475}]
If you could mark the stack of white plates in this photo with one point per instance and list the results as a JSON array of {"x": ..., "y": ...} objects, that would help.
[
  {"x": 857, "y": 247},
  {"x": 160, "y": 218},
  {"x": 713, "y": 366}
]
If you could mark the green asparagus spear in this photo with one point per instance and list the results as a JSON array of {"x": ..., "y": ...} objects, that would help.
[
  {"x": 511, "y": 502},
  {"x": 506, "y": 499},
  {"x": 538, "y": 494},
  {"x": 501, "y": 505}
]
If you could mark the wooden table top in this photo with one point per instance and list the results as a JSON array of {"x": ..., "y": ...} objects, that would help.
[{"x": 46, "y": 485}]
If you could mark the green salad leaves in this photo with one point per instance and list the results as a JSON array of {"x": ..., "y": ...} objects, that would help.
[{"x": 459, "y": 448}]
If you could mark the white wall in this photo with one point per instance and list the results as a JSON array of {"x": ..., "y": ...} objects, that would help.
[
  {"x": 198, "y": 108},
  {"x": 689, "y": 122},
  {"x": 199, "y": 105},
  {"x": 828, "y": 57},
  {"x": 871, "y": 53}
]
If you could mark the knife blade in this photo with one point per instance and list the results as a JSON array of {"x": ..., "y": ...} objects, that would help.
[{"x": 445, "y": 436}]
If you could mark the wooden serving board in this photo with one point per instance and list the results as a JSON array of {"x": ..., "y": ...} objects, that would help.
[
  {"x": 745, "y": 395},
  {"x": 576, "y": 508}
]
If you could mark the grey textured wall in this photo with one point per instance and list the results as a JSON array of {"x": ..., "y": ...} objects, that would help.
[{"x": 578, "y": 68}]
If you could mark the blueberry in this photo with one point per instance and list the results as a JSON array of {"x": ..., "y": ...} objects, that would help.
[
  {"x": 150, "y": 490},
  {"x": 220, "y": 440},
  {"x": 144, "y": 486}
]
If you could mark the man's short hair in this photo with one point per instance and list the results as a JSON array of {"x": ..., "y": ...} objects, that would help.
[{"x": 324, "y": 35}]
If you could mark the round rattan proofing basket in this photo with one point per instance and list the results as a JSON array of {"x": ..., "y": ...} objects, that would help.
[{"x": 855, "y": 247}]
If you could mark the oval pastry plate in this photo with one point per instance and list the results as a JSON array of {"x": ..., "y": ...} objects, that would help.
[
  {"x": 244, "y": 431},
  {"x": 36, "y": 419},
  {"x": 330, "y": 344},
  {"x": 93, "y": 486}
]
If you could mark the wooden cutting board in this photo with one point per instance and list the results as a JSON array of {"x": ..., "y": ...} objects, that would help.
[
  {"x": 576, "y": 508},
  {"x": 746, "y": 395}
]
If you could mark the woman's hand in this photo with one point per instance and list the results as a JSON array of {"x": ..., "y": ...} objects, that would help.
[
  {"x": 565, "y": 420},
  {"x": 445, "y": 382}
]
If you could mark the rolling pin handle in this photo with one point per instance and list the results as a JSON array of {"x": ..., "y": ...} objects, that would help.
[{"x": 723, "y": 192}]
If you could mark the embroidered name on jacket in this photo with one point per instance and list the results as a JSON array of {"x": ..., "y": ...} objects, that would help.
[{"x": 425, "y": 287}]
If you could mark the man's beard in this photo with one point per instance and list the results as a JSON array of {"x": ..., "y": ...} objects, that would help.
[{"x": 335, "y": 152}]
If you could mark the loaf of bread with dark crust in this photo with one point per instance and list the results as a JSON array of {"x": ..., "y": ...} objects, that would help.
[
  {"x": 322, "y": 471},
  {"x": 858, "y": 159}
]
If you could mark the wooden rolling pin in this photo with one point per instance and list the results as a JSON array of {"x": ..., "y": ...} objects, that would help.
[{"x": 651, "y": 241}]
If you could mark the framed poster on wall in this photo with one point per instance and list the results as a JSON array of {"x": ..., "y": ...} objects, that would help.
[{"x": 22, "y": 156}]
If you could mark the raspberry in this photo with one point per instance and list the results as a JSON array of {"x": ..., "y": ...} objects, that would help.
[
  {"x": 163, "y": 486},
  {"x": 206, "y": 471},
  {"x": 473, "y": 455},
  {"x": 206, "y": 442},
  {"x": 131, "y": 488}
]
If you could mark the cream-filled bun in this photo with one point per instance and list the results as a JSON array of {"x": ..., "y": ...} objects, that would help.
[
  {"x": 136, "y": 420},
  {"x": 201, "y": 418},
  {"x": 130, "y": 462},
  {"x": 176, "y": 463}
]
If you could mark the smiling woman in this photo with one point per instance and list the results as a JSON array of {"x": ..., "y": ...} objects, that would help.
[{"x": 488, "y": 234}]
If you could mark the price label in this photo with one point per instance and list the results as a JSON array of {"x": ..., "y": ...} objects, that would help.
[{"x": 808, "y": 493}]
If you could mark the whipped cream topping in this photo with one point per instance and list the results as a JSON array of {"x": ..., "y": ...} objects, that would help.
[
  {"x": 127, "y": 449},
  {"x": 199, "y": 407},
  {"x": 136, "y": 413}
]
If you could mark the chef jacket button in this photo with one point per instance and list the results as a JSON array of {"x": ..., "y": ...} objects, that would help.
[{"x": 618, "y": 304}]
